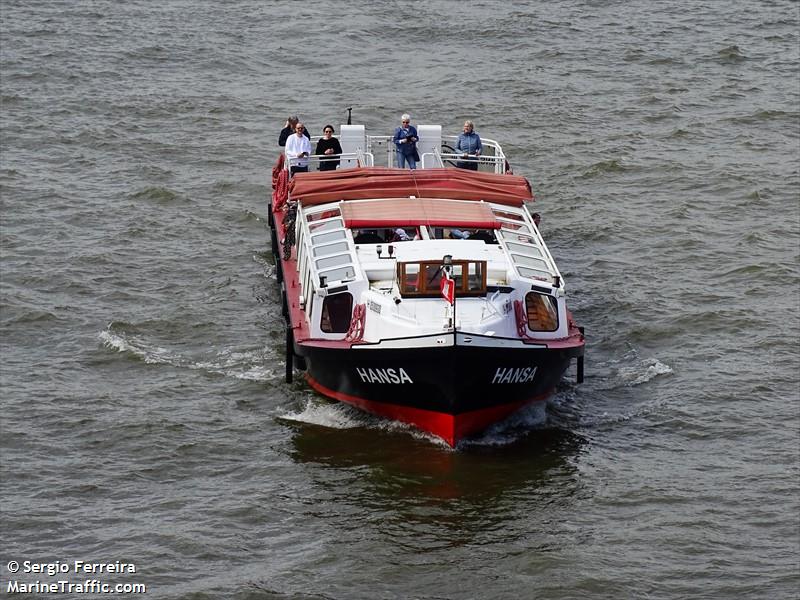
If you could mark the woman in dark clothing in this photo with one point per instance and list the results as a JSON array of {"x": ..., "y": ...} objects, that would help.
[{"x": 328, "y": 146}]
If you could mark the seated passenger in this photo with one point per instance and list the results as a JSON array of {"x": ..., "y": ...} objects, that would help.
[
  {"x": 458, "y": 234},
  {"x": 487, "y": 237},
  {"x": 400, "y": 235},
  {"x": 367, "y": 237}
]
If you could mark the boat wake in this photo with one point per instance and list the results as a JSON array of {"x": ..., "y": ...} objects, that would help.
[
  {"x": 512, "y": 429},
  {"x": 329, "y": 414},
  {"x": 247, "y": 365},
  {"x": 642, "y": 371},
  {"x": 629, "y": 371},
  {"x": 338, "y": 415}
]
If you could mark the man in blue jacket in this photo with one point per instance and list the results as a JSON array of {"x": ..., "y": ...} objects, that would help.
[{"x": 405, "y": 140}]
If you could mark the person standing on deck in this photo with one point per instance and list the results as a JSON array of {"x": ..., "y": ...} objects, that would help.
[
  {"x": 469, "y": 146},
  {"x": 405, "y": 140},
  {"x": 298, "y": 147},
  {"x": 288, "y": 129},
  {"x": 329, "y": 148}
]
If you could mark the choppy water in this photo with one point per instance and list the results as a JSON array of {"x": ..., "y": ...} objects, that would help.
[{"x": 144, "y": 417}]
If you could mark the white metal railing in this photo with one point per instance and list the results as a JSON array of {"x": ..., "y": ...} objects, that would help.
[
  {"x": 435, "y": 159},
  {"x": 492, "y": 159},
  {"x": 364, "y": 159}
]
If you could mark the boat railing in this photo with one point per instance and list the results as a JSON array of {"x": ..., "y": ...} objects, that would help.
[
  {"x": 432, "y": 160},
  {"x": 494, "y": 164},
  {"x": 492, "y": 159},
  {"x": 359, "y": 158}
]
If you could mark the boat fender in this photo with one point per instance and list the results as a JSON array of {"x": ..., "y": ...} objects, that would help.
[
  {"x": 522, "y": 320},
  {"x": 356, "y": 331},
  {"x": 289, "y": 353},
  {"x": 280, "y": 192},
  {"x": 289, "y": 222}
]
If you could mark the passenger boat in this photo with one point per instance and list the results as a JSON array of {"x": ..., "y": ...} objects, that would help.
[{"x": 426, "y": 296}]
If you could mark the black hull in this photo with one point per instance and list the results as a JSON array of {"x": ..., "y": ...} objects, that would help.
[
  {"x": 450, "y": 380},
  {"x": 450, "y": 391}
]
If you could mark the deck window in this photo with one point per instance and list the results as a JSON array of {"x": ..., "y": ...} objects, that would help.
[
  {"x": 328, "y": 249},
  {"x": 542, "y": 312},
  {"x": 340, "y": 274},
  {"x": 333, "y": 261},
  {"x": 325, "y": 225},
  {"x": 324, "y": 238},
  {"x": 502, "y": 214},
  {"x": 523, "y": 249},
  {"x": 336, "y": 313},
  {"x": 325, "y": 214},
  {"x": 528, "y": 261},
  {"x": 424, "y": 278}
]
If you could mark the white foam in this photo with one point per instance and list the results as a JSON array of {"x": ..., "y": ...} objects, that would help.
[
  {"x": 512, "y": 428},
  {"x": 248, "y": 365},
  {"x": 643, "y": 371},
  {"x": 150, "y": 354},
  {"x": 339, "y": 415},
  {"x": 335, "y": 415}
]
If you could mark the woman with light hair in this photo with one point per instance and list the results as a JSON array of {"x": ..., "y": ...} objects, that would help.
[
  {"x": 405, "y": 141},
  {"x": 469, "y": 146}
]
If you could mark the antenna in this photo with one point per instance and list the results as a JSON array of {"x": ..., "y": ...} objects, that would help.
[{"x": 349, "y": 115}]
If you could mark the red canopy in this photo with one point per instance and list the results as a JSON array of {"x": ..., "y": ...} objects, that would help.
[
  {"x": 382, "y": 182},
  {"x": 412, "y": 212}
]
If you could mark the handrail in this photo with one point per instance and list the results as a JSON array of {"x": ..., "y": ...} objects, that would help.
[
  {"x": 492, "y": 156},
  {"x": 365, "y": 159},
  {"x": 498, "y": 163}
]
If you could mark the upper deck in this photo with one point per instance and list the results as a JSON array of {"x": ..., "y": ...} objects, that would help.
[{"x": 436, "y": 151}]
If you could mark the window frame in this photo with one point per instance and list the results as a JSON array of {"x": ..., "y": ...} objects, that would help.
[
  {"x": 553, "y": 306},
  {"x": 432, "y": 290}
]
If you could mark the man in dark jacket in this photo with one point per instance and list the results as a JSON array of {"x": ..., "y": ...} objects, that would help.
[{"x": 288, "y": 130}]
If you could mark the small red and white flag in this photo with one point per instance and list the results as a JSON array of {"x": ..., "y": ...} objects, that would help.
[{"x": 448, "y": 287}]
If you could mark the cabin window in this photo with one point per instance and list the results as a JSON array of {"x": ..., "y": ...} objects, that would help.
[
  {"x": 325, "y": 225},
  {"x": 502, "y": 214},
  {"x": 324, "y": 238},
  {"x": 514, "y": 227},
  {"x": 409, "y": 279},
  {"x": 340, "y": 274},
  {"x": 333, "y": 261},
  {"x": 523, "y": 249},
  {"x": 336, "y": 313},
  {"x": 528, "y": 261},
  {"x": 335, "y": 248},
  {"x": 542, "y": 312},
  {"x": 424, "y": 278},
  {"x": 325, "y": 214},
  {"x": 385, "y": 235},
  {"x": 534, "y": 274}
]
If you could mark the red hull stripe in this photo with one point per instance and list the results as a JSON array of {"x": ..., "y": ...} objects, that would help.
[{"x": 451, "y": 428}]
